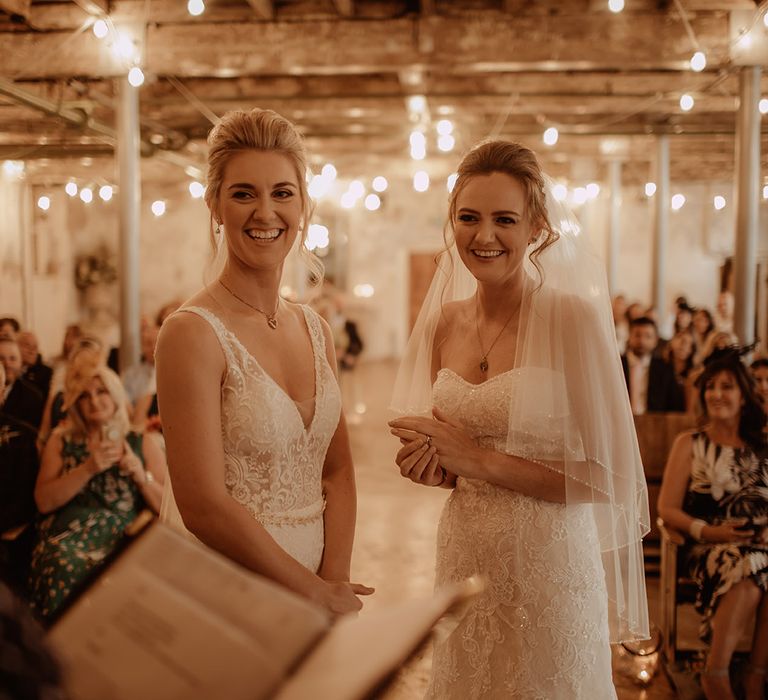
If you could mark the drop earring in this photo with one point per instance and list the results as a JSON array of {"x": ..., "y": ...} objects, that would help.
[{"x": 218, "y": 228}]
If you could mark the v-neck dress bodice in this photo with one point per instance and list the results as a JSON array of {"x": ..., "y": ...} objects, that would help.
[{"x": 273, "y": 461}]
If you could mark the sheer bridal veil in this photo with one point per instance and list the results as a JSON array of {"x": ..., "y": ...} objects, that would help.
[{"x": 572, "y": 394}]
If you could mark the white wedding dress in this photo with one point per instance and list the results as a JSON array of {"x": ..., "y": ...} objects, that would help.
[
  {"x": 274, "y": 447},
  {"x": 539, "y": 631}
]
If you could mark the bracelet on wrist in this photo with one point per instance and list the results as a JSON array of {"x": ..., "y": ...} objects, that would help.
[{"x": 696, "y": 527}]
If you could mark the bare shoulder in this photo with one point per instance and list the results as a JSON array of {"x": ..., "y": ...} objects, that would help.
[
  {"x": 452, "y": 314},
  {"x": 183, "y": 331},
  {"x": 683, "y": 441}
]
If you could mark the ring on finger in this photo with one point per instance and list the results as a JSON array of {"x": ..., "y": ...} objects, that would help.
[{"x": 429, "y": 441}]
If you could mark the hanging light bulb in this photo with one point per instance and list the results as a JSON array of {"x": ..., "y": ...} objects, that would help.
[
  {"x": 650, "y": 189},
  {"x": 421, "y": 181},
  {"x": 372, "y": 202},
  {"x": 446, "y": 142},
  {"x": 593, "y": 189},
  {"x": 451, "y": 181},
  {"x": 71, "y": 189},
  {"x": 195, "y": 7},
  {"x": 136, "y": 77},
  {"x": 444, "y": 127},
  {"x": 86, "y": 194},
  {"x": 196, "y": 189},
  {"x": 44, "y": 203},
  {"x": 678, "y": 201},
  {"x": 105, "y": 192},
  {"x": 686, "y": 102},
  {"x": 380, "y": 183},
  {"x": 698, "y": 61},
  {"x": 551, "y": 135},
  {"x": 158, "y": 207},
  {"x": 763, "y": 106},
  {"x": 100, "y": 28},
  {"x": 615, "y": 5},
  {"x": 560, "y": 192},
  {"x": 719, "y": 202}
]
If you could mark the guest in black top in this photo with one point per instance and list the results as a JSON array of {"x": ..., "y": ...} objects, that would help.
[
  {"x": 651, "y": 381},
  {"x": 19, "y": 398},
  {"x": 35, "y": 370}
]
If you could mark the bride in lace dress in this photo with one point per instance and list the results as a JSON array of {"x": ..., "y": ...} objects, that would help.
[
  {"x": 514, "y": 358},
  {"x": 258, "y": 450}
]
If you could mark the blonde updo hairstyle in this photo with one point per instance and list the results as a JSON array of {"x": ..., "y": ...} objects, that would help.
[
  {"x": 519, "y": 162},
  {"x": 79, "y": 375},
  {"x": 259, "y": 130}
]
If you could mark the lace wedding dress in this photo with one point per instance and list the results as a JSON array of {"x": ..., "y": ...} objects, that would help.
[
  {"x": 539, "y": 631},
  {"x": 274, "y": 447}
]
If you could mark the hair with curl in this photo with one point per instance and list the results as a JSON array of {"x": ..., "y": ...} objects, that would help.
[
  {"x": 752, "y": 420},
  {"x": 79, "y": 376},
  {"x": 258, "y": 130},
  {"x": 520, "y": 163}
]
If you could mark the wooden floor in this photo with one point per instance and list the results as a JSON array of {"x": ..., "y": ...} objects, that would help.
[{"x": 396, "y": 526}]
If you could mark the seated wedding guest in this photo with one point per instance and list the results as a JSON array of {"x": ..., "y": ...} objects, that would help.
[
  {"x": 34, "y": 369},
  {"x": 9, "y": 327},
  {"x": 72, "y": 334},
  {"x": 683, "y": 316},
  {"x": 703, "y": 327},
  {"x": 760, "y": 373},
  {"x": 53, "y": 413},
  {"x": 715, "y": 485},
  {"x": 679, "y": 354},
  {"x": 95, "y": 477},
  {"x": 139, "y": 380},
  {"x": 20, "y": 398},
  {"x": 620, "y": 322},
  {"x": 650, "y": 380},
  {"x": 18, "y": 471}
]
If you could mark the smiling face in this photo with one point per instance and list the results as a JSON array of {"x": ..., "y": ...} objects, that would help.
[
  {"x": 260, "y": 207},
  {"x": 723, "y": 397},
  {"x": 492, "y": 227},
  {"x": 95, "y": 403}
]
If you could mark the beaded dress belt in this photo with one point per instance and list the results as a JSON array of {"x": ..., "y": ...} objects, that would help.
[{"x": 300, "y": 516}]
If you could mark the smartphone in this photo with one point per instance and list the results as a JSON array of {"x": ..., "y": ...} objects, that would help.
[{"x": 110, "y": 433}]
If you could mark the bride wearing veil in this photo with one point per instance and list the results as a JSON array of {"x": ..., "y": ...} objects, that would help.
[{"x": 511, "y": 394}]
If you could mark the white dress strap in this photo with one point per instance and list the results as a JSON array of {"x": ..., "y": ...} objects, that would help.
[{"x": 222, "y": 334}]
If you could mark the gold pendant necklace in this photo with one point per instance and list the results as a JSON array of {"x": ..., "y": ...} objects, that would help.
[
  {"x": 485, "y": 353},
  {"x": 271, "y": 317}
]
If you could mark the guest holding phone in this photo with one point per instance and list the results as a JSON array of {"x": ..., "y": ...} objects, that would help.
[
  {"x": 95, "y": 477},
  {"x": 715, "y": 488}
]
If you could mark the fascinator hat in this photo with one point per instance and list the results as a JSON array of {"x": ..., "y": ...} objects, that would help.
[{"x": 570, "y": 405}]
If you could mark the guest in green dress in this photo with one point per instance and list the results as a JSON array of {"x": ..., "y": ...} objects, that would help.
[{"x": 95, "y": 477}]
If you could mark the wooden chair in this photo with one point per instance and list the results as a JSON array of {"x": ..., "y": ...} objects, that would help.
[{"x": 655, "y": 434}]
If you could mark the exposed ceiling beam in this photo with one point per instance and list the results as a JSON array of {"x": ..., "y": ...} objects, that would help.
[
  {"x": 94, "y": 7},
  {"x": 345, "y": 8},
  {"x": 16, "y": 7},
  {"x": 264, "y": 9},
  {"x": 485, "y": 41}
]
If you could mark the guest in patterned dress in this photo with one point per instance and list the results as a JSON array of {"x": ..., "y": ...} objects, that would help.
[
  {"x": 95, "y": 477},
  {"x": 716, "y": 488}
]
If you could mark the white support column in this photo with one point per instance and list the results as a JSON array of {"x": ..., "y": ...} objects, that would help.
[
  {"x": 660, "y": 227},
  {"x": 614, "y": 226},
  {"x": 128, "y": 155},
  {"x": 747, "y": 202}
]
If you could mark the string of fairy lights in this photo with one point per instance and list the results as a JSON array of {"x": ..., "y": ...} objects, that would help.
[{"x": 326, "y": 185}]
